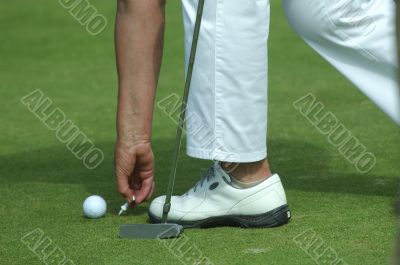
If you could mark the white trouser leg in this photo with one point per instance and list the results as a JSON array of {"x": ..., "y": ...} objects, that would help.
[
  {"x": 227, "y": 108},
  {"x": 358, "y": 38}
]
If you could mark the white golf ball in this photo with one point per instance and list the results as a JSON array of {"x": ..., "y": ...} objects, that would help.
[{"x": 94, "y": 207}]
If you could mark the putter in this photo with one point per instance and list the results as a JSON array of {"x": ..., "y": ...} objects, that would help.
[{"x": 167, "y": 230}]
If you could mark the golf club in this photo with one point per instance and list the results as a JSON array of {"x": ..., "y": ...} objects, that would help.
[{"x": 166, "y": 230}]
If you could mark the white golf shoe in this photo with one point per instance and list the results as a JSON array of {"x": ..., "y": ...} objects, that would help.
[{"x": 213, "y": 201}]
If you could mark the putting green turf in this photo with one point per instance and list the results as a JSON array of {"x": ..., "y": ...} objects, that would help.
[{"x": 42, "y": 185}]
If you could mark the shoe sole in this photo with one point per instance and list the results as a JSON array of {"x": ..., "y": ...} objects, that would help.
[{"x": 274, "y": 218}]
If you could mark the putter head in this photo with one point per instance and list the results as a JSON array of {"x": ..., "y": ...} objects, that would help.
[{"x": 150, "y": 231}]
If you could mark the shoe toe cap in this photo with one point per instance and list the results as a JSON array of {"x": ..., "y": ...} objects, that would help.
[{"x": 156, "y": 207}]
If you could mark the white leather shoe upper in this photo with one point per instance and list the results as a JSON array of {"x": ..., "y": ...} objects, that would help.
[{"x": 214, "y": 196}]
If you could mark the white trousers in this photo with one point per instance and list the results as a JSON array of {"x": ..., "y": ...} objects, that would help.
[
  {"x": 227, "y": 108},
  {"x": 358, "y": 37}
]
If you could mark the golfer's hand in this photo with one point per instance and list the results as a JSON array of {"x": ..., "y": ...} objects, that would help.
[{"x": 134, "y": 170}]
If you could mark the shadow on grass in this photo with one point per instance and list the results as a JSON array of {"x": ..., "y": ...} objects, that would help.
[{"x": 302, "y": 166}]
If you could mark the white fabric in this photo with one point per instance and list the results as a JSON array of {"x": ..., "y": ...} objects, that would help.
[
  {"x": 358, "y": 37},
  {"x": 227, "y": 109}
]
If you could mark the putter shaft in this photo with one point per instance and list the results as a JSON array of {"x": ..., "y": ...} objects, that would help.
[{"x": 171, "y": 182}]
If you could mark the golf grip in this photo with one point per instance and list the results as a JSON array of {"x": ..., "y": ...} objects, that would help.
[{"x": 182, "y": 114}]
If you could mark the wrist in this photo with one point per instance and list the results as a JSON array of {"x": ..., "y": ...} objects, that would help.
[
  {"x": 133, "y": 126},
  {"x": 132, "y": 140}
]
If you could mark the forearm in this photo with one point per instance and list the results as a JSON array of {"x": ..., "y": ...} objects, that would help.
[{"x": 139, "y": 43}]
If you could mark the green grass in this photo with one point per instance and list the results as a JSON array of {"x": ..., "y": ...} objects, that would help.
[{"x": 42, "y": 185}]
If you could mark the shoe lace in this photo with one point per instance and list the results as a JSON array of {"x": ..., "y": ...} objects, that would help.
[{"x": 207, "y": 177}]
